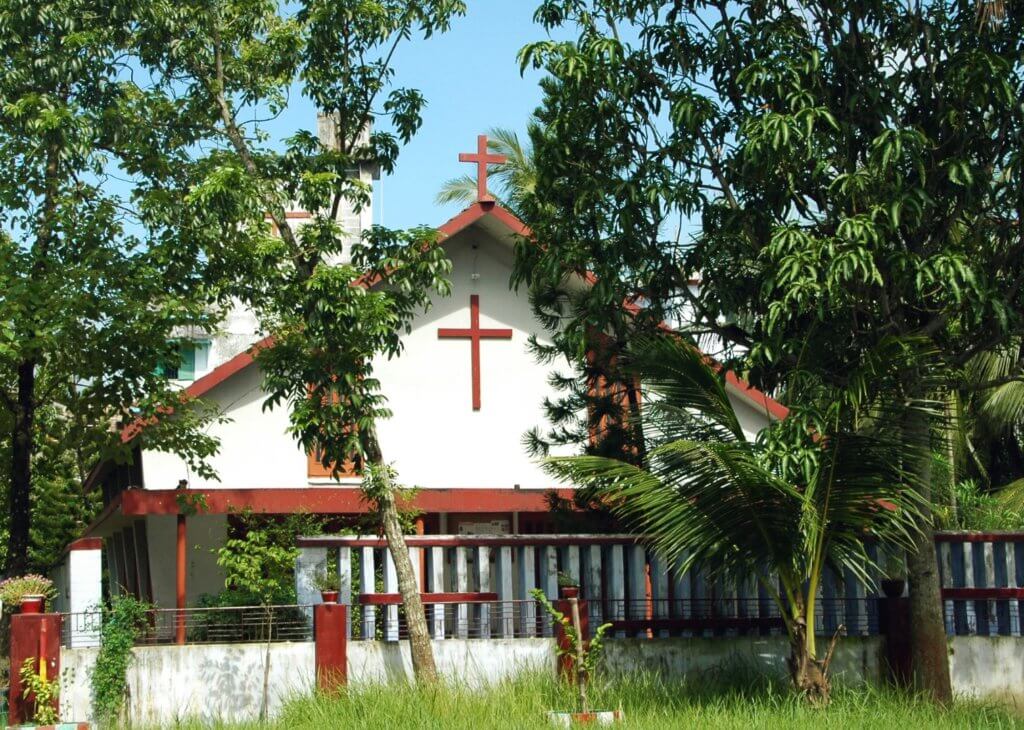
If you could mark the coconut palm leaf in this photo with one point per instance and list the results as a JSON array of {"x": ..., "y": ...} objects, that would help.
[
  {"x": 511, "y": 180},
  {"x": 707, "y": 492}
]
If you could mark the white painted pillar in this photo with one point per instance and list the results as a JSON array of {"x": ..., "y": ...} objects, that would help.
[
  {"x": 946, "y": 581},
  {"x": 483, "y": 565},
  {"x": 1011, "y": 582},
  {"x": 591, "y": 569},
  {"x": 503, "y": 582},
  {"x": 988, "y": 580},
  {"x": 616, "y": 586},
  {"x": 571, "y": 562},
  {"x": 85, "y": 591},
  {"x": 367, "y": 585},
  {"x": 527, "y": 582},
  {"x": 636, "y": 598},
  {"x": 550, "y": 579},
  {"x": 968, "y": 552},
  {"x": 461, "y": 586},
  {"x": 345, "y": 585},
  {"x": 436, "y": 585},
  {"x": 311, "y": 561},
  {"x": 390, "y": 586},
  {"x": 659, "y": 591}
]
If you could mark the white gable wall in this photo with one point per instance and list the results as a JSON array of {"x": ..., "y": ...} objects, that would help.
[
  {"x": 255, "y": 449},
  {"x": 435, "y": 438}
]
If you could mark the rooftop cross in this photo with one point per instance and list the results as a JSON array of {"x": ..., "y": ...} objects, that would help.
[{"x": 482, "y": 159}]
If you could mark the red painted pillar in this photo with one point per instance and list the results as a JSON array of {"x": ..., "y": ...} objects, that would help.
[
  {"x": 33, "y": 636},
  {"x": 565, "y": 658},
  {"x": 179, "y": 618},
  {"x": 331, "y": 645}
]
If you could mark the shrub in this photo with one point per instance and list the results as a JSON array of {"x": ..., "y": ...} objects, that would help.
[{"x": 14, "y": 589}]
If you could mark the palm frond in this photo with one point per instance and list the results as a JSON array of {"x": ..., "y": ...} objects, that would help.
[{"x": 460, "y": 190}]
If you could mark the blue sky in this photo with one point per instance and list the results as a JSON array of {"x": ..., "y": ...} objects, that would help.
[{"x": 471, "y": 81}]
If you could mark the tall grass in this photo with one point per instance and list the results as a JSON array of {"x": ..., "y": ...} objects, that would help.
[{"x": 742, "y": 701}]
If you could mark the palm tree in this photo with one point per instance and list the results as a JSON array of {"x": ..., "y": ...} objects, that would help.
[
  {"x": 986, "y": 442},
  {"x": 780, "y": 508},
  {"x": 514, "y": 179}
]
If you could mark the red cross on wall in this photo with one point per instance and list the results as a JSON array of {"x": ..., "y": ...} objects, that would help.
[
  {"x": 474, "y": 334},
  {"x": 482, "y": 158}
]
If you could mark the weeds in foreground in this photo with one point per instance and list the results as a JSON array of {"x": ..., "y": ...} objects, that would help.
[{"x": 743, "y": 700}]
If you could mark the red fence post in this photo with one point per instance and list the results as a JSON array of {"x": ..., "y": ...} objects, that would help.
[
  {"x": 331, "y": 645},
  {"x": 33, "y": 636},
  {"x": 894, "y": 623},
  {"x": 565, "y": 656}
]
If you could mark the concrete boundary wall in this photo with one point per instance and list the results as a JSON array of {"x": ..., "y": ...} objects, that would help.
[{"x": 224, "y": 681}]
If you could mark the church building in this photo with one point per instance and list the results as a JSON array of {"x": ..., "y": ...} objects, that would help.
[{"x": 463, "y": 392}]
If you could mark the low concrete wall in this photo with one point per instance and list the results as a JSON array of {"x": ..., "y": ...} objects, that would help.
[
  {"x": 201, "y": 681},
  {"x": 225, "y": 681},
  {"x": 991, "y": 667},
  {"x": 857, "y": 659},
  {"x": 212, "y": 682},
  {"x": 471, "y": 662}
]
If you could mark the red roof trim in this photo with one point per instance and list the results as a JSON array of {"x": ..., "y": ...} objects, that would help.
[
  {"x": 330, "y": 499},
  {"x": 225, "y": 370}
]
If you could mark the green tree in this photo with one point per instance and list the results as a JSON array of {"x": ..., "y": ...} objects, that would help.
[
  {"x": 102, "y": 254},
  {"x": 259, "y": 567},
  {"x": 331, "y": 304},
  {"x": 740, "y": 508},
  {"x": 837, "y": 174}
]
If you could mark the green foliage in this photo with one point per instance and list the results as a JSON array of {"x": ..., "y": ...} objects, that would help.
[
  {"x": 191, "y": 503},
  {"x": 591, "y": 649},
  {"x": 328, "y": 579},
  {"x": 124, "y": 620},
  {"x": 780, "y": 509},
  {"x": 972, "y": 508},
  {"x": 256, "y": 567},
  {"x": 43, "y": 693},
  {"x": 12, "y": 590},
  {"x": 258, "y": 558},
  {"x": 307, "y": 285},
  {"x": 96, "y": 276}
]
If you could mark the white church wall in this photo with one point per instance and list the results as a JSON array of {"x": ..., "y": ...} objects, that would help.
[
  {"x": 752, "y": 420},
  {"x": 255, "y": 450},
  {"x": 435, "y": 438}
]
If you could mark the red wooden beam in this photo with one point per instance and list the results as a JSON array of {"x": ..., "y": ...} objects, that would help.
[
  {"x": 982, "y": 594},
  {"x": 471, "y": 540},
  {"x": 979, "y": 537},
  {"x": 336, "y": 500},
  {"x": 429, "y": 599}
]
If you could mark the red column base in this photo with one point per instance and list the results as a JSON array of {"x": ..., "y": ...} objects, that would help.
[
  {"x": 32, "y": 636},
  {"x": 331, "y": 645}
]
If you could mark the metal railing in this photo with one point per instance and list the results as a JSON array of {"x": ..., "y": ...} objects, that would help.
[
  {"x": 634, "y": 619},
  {"x": 210, "y": 625}
]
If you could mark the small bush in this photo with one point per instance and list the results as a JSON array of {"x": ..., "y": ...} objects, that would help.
[{"x": 14, "y": 589}]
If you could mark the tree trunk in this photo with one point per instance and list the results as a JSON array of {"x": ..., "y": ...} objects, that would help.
[
  {"x": 422, "y": 650},
  {"x": 929, "y": 654},
  {"x": 22, "y": 447},
  {"x": 809, "y": 675}
]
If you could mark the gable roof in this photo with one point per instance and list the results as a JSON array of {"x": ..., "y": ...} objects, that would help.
[{"x": 479, "y": 212}]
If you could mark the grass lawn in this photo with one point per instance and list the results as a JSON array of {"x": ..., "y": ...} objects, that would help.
[{"x": 744, "y": 702}]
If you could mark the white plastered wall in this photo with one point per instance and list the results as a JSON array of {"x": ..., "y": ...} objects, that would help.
[
  {"x": 435, "y": 438},
  {"x": 255, "y": 449}
]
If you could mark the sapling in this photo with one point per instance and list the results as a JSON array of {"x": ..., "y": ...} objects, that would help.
[{"x": 583, "y": 654}]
